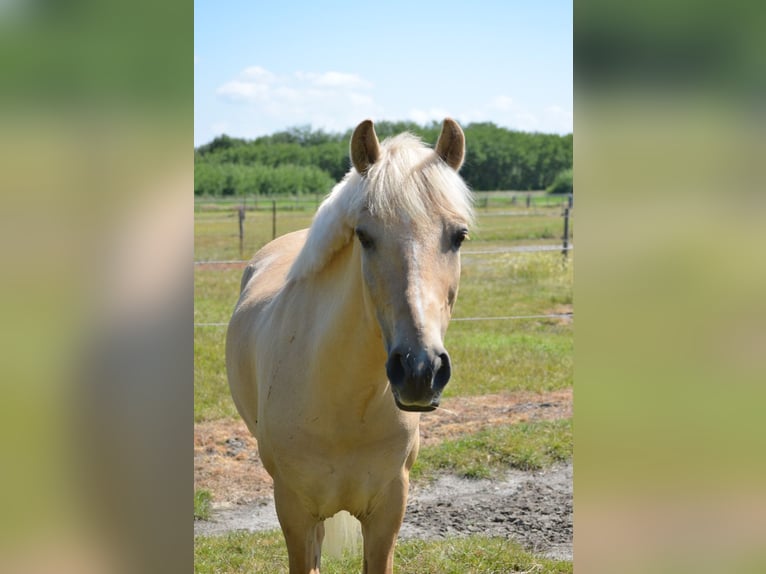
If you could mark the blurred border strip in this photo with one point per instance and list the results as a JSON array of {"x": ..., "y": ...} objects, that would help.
[
  {"x": 96, "y": 240},
  {"x": 669, "y": 116}
]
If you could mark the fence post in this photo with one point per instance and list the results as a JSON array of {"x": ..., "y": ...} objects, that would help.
[
  {"x": 565, "y": 246},
  {"x": 241, "y": 217},
  {"x": 273, "y": 218}
]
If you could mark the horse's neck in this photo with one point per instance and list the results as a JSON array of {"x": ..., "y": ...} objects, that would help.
[
  {"x": 346, "y": 306},
  {"x": 348, "y": 354},
  {"x": 351, "y": 335}
]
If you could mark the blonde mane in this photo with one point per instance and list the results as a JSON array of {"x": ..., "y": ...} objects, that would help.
[{"x": 409, "y": 179}]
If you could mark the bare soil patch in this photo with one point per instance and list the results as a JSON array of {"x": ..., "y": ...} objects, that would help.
[
  {"x": 533, "y": 508},
  {"x": 227, "y": 464}
]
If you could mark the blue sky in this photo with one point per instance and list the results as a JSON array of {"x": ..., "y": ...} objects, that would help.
[{"x": 262, "y": 67}]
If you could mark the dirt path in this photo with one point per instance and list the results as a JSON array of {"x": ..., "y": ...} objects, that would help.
[
  {"x": 534, "y": 508},
  {"x": 226, "y": 459}
]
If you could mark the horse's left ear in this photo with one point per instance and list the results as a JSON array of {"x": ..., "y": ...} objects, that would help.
[
  {"x": 451, "y": 144},
  {"x": 365, "y": 149}
]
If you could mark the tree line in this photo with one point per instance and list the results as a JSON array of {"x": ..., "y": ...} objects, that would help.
[{"x": 303, "y": 160}]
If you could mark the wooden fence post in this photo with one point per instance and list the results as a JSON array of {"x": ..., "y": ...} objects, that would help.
[
  {"x": 273, "y": 218},
  {"x": 241, "y": 217},
  {"x": 565, "y": 246}
]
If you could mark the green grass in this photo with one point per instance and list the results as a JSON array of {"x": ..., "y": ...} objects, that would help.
[
  {"x": 513, "y": 284},
  {"x": 212, "y": 399},
  {"x": 216, "y": 233},
  {"x": 517, "y": 199},
  {"x": 540, "y": 199},
  {"x": 496, "y": 356},
  {"x": 488, "y": 356},
  {"x": 217, "y": 230},
  {"x": 525, "y": 446},
  {"x": 266, "y": 552},
  {"x": 497, "y": 225},
  {"x": 202, "y": 500},
  {"x": 215, "y": 294}
]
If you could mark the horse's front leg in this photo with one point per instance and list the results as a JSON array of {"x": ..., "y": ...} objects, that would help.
[
  {"x": 303, "y": 533},
  {"x": 380, "y": 527}
]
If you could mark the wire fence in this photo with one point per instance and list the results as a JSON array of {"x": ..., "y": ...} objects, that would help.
[
  {"x": 517, "y": 249},
  {"x": 533, "y": 204},
  {"x": 563, "y": 316},
  {"x": 465, "y": 253},
  {"x": 564, "y": 248},
  {"x": 482, "y": 200}
]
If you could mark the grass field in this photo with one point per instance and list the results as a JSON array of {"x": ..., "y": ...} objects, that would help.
[
  {"x": 217, "y": 224},
  {"x": 266, "y": 552},
  {"x": 526, "y": 446},
  {"x": 489, "y": 356}
]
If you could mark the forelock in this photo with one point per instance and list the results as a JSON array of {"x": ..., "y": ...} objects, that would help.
[{"x": 410, "y": 179}]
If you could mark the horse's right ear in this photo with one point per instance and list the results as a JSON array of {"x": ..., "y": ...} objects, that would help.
[
  {"x": 365, "y": 149},
  {"x": 451, "y": 144}
]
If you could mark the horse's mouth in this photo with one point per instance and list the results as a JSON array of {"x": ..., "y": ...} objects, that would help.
[{"x": 416, "y": 408}]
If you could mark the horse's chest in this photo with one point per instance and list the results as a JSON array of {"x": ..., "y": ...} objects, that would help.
[{"x": 336, "y": 473}]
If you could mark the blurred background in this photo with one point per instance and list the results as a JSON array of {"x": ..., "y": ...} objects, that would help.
[
  {"x": 96, "y": 217},
  {"x": 96, "y": 248},
  {"x": 669, "y": 116}
]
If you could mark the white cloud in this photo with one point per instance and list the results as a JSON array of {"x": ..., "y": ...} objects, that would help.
[
  {"x": 558, "y": 119},
  {"x": 258, "y": 74},
  {"x": 331, "y": 80},
  {"x": 330, "y": 100},
  {"x": 360, "y": 99},
  {"x": 341, "y": 80},
  {"x": 256, "y": 83},
  {"x": 503, "y": 111},
  {"x": 503, "y": 103},
  {"x": 260, "y": 101},
  {"x": 506, "y": 111},
  {"x": 219, "y": 127},
  {"x": 289, "y": 94},
  {"x": 239, "y": 91},
  {"x": 427, "y": 116}
]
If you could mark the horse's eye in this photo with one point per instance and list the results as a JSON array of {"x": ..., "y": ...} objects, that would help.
[
  {"x": 364, "y": 239},
  {"x": 460, "y": 236}
]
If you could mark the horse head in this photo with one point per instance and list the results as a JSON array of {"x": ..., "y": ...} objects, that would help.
[{"x": 414, "y": 217}]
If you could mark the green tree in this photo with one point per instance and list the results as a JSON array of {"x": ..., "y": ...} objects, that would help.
[{"x": 303, "y": 160}]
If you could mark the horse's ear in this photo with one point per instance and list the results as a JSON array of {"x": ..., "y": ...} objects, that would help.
[
  {"x": 365, "y": 149},
  {"x": 451, "y": 144}
]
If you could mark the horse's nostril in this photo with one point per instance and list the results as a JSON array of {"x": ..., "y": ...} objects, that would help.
[
  {"x": 443, "y": 373},
  {"x": 418, "y": 375},
  {"x": 396, "y": 368}
]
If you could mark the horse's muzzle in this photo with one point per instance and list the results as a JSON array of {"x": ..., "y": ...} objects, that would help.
[{"x": 418, "y": 377}]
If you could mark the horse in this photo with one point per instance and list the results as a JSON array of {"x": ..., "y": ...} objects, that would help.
[{"x": 335, "y": 346}]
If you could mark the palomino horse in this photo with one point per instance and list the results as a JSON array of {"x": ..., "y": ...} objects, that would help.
[{"x": 335, "y": 345}]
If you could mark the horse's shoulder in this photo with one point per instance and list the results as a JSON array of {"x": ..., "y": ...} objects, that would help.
[{"x": 267, "y": 270}]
